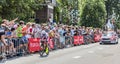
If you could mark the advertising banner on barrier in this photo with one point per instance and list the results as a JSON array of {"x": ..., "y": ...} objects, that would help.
[
  {"x": 81, "y": 39},
  {"x": 97, "y": 37},
  {"x": 76, "y": 40},
  {"x": 51, "y": 44},
  {"x": 34, "y": 44}
]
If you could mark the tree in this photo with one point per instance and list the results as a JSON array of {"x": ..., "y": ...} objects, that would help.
[
  {"x": 23, "y": 9},
  {"x": 93, "y": 14},
  {"x": 66, "y": 9},
  {"x": 61, "y": 11},
  {"x": 113, "y": 5}
]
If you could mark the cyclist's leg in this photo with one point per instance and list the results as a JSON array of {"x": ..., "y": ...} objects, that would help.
[
  {"x": 42, "y": 45},
  {"x": 47, "y": 47}
]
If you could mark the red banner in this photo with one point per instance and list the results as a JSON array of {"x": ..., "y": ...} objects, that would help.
[
  {"x": 34, "y": 44},
  {"x": 76, "y": 40},
  {"x": 51, "y": 44},
  {"x": 81, "y": 38},
  {"x": 97, "y": 37}
]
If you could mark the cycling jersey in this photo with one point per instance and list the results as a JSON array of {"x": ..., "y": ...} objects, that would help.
[{"x": 44, "y": 34}]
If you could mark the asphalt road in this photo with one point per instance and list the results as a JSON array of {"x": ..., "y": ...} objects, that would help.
[{"x": 84, "y": 54}]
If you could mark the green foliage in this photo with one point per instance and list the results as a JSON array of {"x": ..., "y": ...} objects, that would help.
[
  {"x": 61, "y": 11},
  {"x": 64, "y": 9},
  {"x": 118, "y": 25},
  {"x": 23, "y": 9},
  {"x": 113, "y": 5},
  {"x": 93, "y": 14}
]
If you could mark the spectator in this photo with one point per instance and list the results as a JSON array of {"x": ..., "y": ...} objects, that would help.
[
  {"x": 3, "y": 44},
  {"x": 25, "y": 35},
  {"x": 62, "y": 37}
]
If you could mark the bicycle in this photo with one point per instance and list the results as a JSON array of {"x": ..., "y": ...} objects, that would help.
[{"x": 44, "y": 50}]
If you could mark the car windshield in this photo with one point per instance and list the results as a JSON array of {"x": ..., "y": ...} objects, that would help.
[{"x": 108, "y": 34}]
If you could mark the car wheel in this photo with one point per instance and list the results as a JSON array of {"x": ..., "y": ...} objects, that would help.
[{"x": 101, "y": 43}]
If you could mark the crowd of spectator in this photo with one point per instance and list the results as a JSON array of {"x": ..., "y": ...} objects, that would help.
[{"x": 16, "y": 35}]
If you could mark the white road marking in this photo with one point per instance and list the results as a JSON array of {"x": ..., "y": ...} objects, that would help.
[
  {"x": 107, "y": 46},
  {"x": 86, "y": 46},
  {"x": 100, "y": 48},
  {"x": 90, "y": 51},
  {"x": 76, "y": 57}
]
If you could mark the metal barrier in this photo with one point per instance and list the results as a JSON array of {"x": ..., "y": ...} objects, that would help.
[
  {"x": 15, "y": 47},
  {"x": 56, "y": 43},
  {"x": 68, "y": 41},
  {"x": 20, "y": 47}
]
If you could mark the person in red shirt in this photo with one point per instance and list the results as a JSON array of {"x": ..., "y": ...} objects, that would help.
[
  {"x": 33, "y": 30},
  {"x": 26, "y": 34}
]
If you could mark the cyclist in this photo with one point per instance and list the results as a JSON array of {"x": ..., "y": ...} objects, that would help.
[
  {"x": 44, "y": 40},
  {"x": 44, "y": 35}
]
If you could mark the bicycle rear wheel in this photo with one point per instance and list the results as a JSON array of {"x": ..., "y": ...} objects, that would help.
[{"x": 44, "y": 52}]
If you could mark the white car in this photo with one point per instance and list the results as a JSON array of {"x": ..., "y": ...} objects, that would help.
[{"x": 109, "y": 37}]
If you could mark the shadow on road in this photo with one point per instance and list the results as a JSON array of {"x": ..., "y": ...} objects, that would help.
[{"x": 109, "y": 44}]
